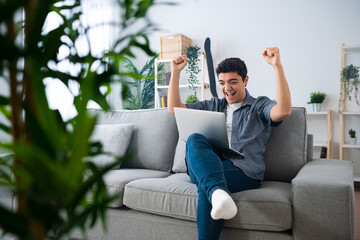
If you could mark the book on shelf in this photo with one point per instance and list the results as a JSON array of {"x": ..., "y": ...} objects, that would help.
[{"x": 162, "y": 101}]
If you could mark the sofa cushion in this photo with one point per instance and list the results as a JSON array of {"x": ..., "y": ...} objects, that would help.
[
  {"x": 266, "y": 208},
  {"x": 115, "y": 139},
  {"x": 115, "y": 180},
  {"x": 154, "y": 138},
  {"x": 286, "y": 152}
]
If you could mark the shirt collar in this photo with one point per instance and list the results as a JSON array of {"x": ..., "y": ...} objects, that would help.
[{"x": 249, "y": 99}]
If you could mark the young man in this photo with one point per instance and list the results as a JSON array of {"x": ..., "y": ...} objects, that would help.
[{"x": 249, "y": 122}]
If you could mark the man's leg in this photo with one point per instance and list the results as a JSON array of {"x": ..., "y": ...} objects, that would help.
[
  {"x": 236, "y": 179},
  {"x": 208, "y": 228},
  {"x": 204, "y": 166},
  {"x": 205, "y": 170},
  {"x": 210, "y": 174}
]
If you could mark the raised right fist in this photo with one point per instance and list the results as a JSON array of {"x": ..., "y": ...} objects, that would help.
[{"x": 179, "y": 63}]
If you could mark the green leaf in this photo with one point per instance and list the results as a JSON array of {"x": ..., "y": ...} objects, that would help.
[
  {"x": 94, "y": 178},
  {"x": 12, "y": 222},
  {"x": 8, "y": 9},
  {"x": 5, "y": 112},
  {"x": 50, "y": 51},
  {"x": 143, "y": 7},
  {"x": 4, "y": 100},
  {"x": 5, "y": 128},
  {"x": 8, "y": 48}
]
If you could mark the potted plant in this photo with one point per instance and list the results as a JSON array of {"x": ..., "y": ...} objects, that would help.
[
  {"x": 191, "y": 99},
  {"x": 316, "y": 99},
  {"x": 350, "y": 83},
  {"x": 192, "y": 53},
  {"x": 47, "y": 169},
  {"x": 353, "y": 139}
]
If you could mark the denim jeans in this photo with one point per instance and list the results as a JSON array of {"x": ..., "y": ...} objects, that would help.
[{"x": 209, "y": 172}]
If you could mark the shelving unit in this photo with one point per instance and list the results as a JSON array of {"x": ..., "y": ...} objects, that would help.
[
  {"x": 329, "y": 126},
  {"x": 345, "y": 113},
  {"x": 165, "y": 87}
]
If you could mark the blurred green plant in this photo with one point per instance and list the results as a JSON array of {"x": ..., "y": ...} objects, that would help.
[
  {"x": 141, "y": 91},
  {"x": 47, "y": 171}
]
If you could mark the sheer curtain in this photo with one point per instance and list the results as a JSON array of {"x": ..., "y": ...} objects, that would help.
[{"x": 99, "y": 16}]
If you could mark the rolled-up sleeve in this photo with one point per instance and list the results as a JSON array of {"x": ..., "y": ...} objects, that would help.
[{"x": 265, "y": 108}]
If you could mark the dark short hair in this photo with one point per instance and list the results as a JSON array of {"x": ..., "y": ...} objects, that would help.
[{"x": 232, "y": 65}]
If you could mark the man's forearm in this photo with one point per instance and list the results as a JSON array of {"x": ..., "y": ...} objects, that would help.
[
  {"x": 174, "y": 99},
  {"x": 283, "y": 98}
]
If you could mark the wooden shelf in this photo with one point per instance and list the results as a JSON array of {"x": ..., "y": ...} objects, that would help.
[
  {"x": 320, "y": 144},
  {"x": 317, "y": 113},
  {"x": 351, "y": 113},
  {"x": 328, "y": 142},
  {"x": 163, "y": 60},
  {"x": 159, "y": 86},
  {"x": 351, "y": 49},
  {"x": 346, "y": 145},
  {"x": 345, "y": 50},
  {"x": 180, "y": 86}
]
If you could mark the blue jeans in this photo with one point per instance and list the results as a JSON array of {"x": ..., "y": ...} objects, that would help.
[{"x": 209, "y": 173}]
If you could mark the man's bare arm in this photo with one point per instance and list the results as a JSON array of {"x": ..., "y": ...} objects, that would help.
[
  {"x": 174, "y": 99},
  {"x": 283, "y": 107}
]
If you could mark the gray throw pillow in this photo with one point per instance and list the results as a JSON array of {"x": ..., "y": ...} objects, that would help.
[
  {"x": 179, "y": 165},
  {"x": 115, "y": 140}
]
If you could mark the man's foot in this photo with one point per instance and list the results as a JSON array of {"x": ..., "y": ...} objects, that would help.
[{"x": 223, "y": 205}]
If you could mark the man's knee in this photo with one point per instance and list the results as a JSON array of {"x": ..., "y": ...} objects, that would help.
[{"x": 195, "y": 137}]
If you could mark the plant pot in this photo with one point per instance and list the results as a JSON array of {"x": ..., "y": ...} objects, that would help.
[
  {"x": 353, "y": 141},
  {"x": 316, "y": 107}
]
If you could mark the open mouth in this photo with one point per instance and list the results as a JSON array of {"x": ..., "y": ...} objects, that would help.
[{"x": 230, "y": 94}]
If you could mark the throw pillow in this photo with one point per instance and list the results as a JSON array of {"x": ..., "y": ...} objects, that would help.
[
  {"x": 179, "y": 165},
  {"x": 115, "y": 140}
]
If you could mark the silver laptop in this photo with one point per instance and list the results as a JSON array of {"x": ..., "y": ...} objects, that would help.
[{"x": 210, "y": 124}]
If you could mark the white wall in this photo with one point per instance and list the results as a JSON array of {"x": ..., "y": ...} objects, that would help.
[{"x": 308, "y": 33}]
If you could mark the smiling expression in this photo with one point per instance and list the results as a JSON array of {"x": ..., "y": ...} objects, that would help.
[{"x": 233, "y": 87}]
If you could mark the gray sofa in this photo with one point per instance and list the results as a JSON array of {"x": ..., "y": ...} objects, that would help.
[{"x": 300, "y": 198}]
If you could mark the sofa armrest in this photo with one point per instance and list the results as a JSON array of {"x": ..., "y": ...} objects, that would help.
[{"x": 323, "y": 201}]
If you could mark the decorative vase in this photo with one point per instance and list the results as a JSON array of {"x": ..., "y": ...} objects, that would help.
[
  {"x": 353, "y": 141},
  {"x": 316, "y": 107}
]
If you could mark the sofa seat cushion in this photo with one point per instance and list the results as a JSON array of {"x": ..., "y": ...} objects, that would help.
[
  {"x": 266, "y": 208},
  {"x": 115, "y": 181}
]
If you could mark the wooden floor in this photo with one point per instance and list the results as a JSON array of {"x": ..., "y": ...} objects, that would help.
[{"x": 357, "y": 212}]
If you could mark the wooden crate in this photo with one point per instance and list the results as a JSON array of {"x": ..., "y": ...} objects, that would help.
[{"x": 173, "y": 45}]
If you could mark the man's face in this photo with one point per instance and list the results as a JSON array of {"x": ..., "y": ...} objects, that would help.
[{"x": 233, "y": 87}]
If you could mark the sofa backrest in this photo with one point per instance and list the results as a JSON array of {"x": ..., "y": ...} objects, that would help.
[
  {"x": 154, "y": 137},
  {"x": 287, "y": 149},
  {"x": 155, "y": 141}
]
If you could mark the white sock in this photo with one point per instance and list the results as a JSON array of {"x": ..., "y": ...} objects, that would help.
[{"x": 223, "y": 205}]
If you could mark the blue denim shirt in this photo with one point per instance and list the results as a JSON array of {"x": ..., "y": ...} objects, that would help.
[{"x": 251, "y": 129}]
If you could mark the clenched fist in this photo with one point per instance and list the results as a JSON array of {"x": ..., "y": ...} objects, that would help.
[
  {"x": 272, "y": 56},
  {"x": 179, "y": 63}
]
